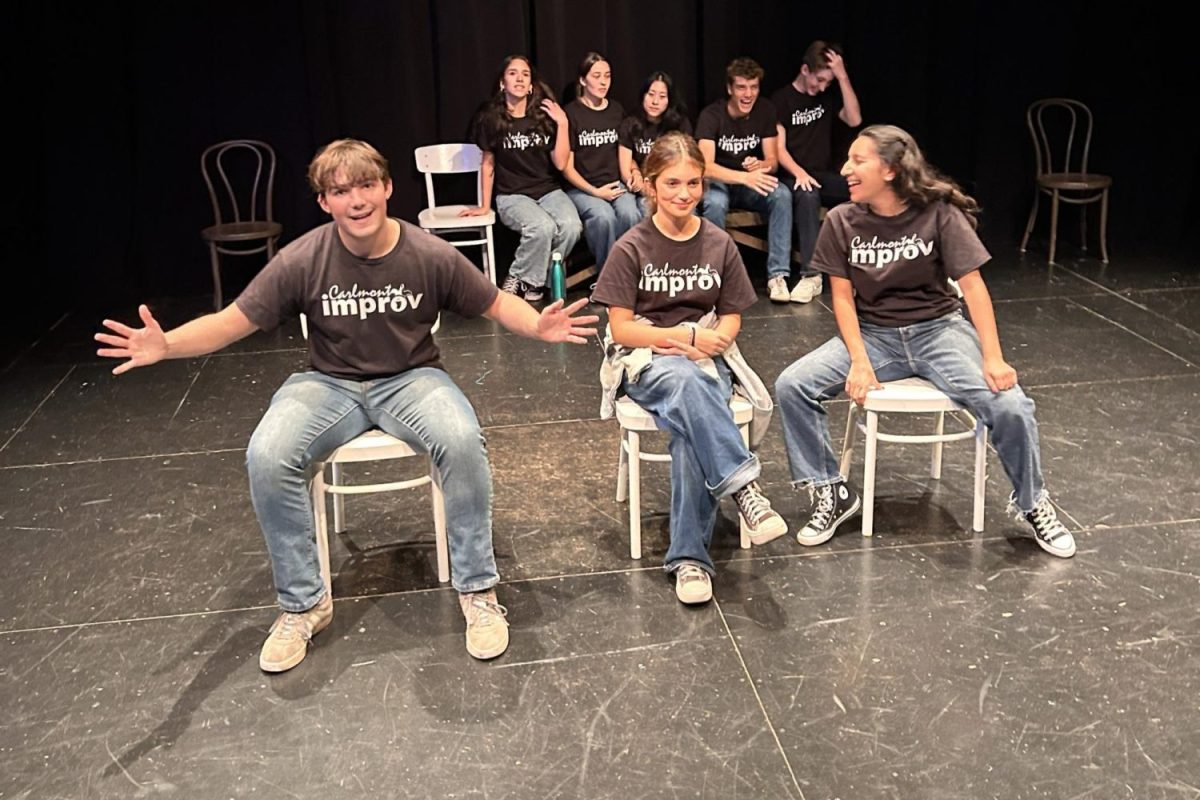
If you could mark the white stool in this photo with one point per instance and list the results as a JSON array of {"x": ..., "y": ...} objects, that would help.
[
  {"x": 635, "y": 421},
  {"x": 374, "y": 445},
  {"x": 913, "y": 396}
]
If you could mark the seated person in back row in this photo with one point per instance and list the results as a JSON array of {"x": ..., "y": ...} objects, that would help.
[
  {"x": 737, "y": 136},
  {"x": 806, "y": 108}
]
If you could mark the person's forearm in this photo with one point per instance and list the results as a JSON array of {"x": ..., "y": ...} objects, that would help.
[
  {"x": 730, "y": 325},
  {"x": 487, "y": 178},
  {"x": 983, "y": 317},
  {"x": 208, "y": 334},
  {"x": 562, "y": 148},
  {"x": 639, "y": 334},
  {"x": 847, "y": 320},
  {"x": 851, "y": 113}
]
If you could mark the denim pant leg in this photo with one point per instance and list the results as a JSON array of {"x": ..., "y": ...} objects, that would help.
[
  {"x": 567, "y": 227},
  {"x": 425, "y": 408},
  {"x": 834, "y": 189},
  {"x": 806, "y": 208},
  {"x": 537, "y": 229},
  {"x": 801, "y": 391},
  {"x": 310, "y": 416},
  {"x": 709, "y": 460},
  {"x": 600, "y": 224},
  {"x": 947, "y": 353},
  {"x": 629, "y": 213},
  {"x": 778, "y": 207},
  {"x": 716, "y": 203}
]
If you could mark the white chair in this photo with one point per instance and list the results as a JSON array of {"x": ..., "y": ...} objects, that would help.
[
  {"x": 634, "y": 421},
  {"x": 374, "y": 445},
  {"x": 444, "y": 159},
  {"x": 913, "y": 396}
]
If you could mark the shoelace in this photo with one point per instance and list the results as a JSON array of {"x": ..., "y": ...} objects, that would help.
[
  {"x": 753, "y": 505},
  {"x": 1047, "y": 522},
  {"x": 294, "y": 625},
  {"x": 690, "y": 573},
  {"x": 485, "y": 610},
  {"x": 823, "y": 495}
]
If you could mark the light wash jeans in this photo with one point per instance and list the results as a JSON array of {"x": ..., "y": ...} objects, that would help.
[
  {"x": 720, "y": 197},
  {"x": 313, "y": 414},
  {"x": 709, "y": 460},
  {"x": 943, "y": 351},
  {"x": 605, "y": 222},
  {"x": 546, "y": 225}
]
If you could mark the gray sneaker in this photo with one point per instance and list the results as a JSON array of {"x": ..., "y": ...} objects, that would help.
[{"x": 763, "y": 521}]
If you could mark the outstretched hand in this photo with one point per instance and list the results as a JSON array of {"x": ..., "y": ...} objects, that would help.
[
  {"x": 557, "y": 324},
  {"x": 142, "y": 346}
]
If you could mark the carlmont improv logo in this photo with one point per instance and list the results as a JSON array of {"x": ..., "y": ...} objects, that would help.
[
  {"x": 523, "y": 141},
  {"x": 736, "y": 145},
  {"x": 879, "y": 254},
  {"x": 597, "y": 138},
  {"x": 807, "y": 116},
  {"x": 674, "y": 280},
  {"x": 362, "y": 303}
]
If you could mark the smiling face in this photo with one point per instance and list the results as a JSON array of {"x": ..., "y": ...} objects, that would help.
[
  {"x": 743, "y": 94},
  {"x": 359, "y": 209},
  {"x": 677, "y": 189},
  {"x": 813, "y": 83},
  {"x": 867, "y": 175}
]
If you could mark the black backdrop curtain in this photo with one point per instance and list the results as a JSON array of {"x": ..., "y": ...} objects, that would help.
[{"x": 111, "y": 104}]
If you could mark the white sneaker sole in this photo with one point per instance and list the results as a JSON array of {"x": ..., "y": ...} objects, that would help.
[{"x": 813, "y": 539}]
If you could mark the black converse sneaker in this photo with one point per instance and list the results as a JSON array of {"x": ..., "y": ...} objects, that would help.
[
  {"x": 763, "y": 521},
  {"x": 534, "y": 294},
  {"x": 1051, "y": 535},
  {"x": 835, "y": 503}
]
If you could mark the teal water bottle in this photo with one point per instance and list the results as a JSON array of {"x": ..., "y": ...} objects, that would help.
[{"x": 558, "y": 277}]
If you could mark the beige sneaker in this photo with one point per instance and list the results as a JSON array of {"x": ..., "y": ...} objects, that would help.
[
  {"x": 487, "y": 628},
  {"x": 692, "y": 585},
  {"x": 806, "y": 289},
  {"x": 777, "y": 289},
  {"x": 287, "y": 644}
]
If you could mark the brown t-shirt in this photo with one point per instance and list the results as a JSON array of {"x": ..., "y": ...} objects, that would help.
[
  {"x": 670, "y": 282},
  {"x": 898, "y": 265},
  {"x": 367, "y": 317}
]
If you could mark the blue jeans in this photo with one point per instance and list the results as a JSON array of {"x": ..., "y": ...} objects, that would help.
[
  {"x": 943, "y": 351},
  {"x": 605, "y": 222},
  {"x": 709, "y": 460},
  {"x": 806, "y": 209},
  {"x": 313, "y": 414},
  {"x": 546, "y": 225},
  {"x": 719, "y": 198}
]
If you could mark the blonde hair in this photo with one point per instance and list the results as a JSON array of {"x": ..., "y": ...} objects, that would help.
[
  {"x": 357, "y": 160},
  {"x": 667, "y": 151}
]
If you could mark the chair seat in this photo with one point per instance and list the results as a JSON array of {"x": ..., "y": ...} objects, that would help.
[
  {"x": 374, "y": 445},
  {"x": 447, "y": 217},
  {"x": 915, "y": 395},
  {"x": 1074, "y": 181},
  {"x": 633, "y": 417},
  {"x": 241, "y": 231}
]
